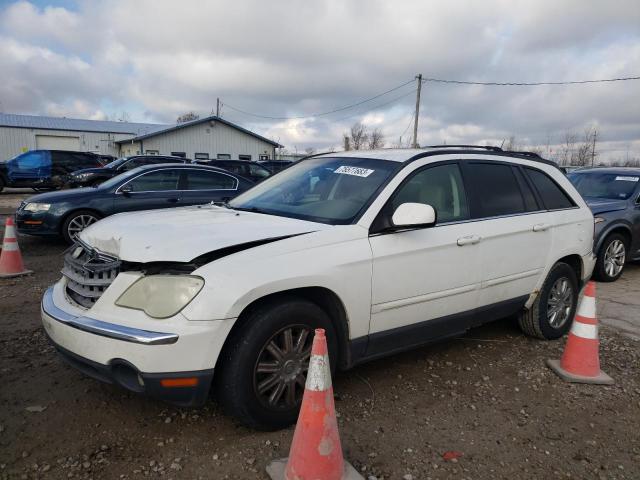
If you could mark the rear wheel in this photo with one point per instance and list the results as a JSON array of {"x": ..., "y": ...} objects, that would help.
[
  {"x": 552, "y": 312},
  {"x": 263, "y": 367},
  {"x": 77, "y": 222},
  {"x": 611, "y": 258}
]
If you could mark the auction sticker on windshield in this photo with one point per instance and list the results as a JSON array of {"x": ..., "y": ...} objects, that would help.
[
  {"x": 628, "y": 179},
  {"x": 357, "y": 171}
]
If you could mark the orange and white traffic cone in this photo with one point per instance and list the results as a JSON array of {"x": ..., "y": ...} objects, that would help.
[
  {"x": 11, "y": 264},
  {"x": 580, "y": 362},
  {"x": 316, "y": 453}
]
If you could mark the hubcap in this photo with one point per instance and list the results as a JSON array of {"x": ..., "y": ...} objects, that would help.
[
  {"x": 79, "y": 223},
  {"x": 280, "y": 372},
  {"x": 560, "y": 302},
  {"x": 614, "y": 257}
]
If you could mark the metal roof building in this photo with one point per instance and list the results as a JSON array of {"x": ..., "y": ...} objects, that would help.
[{"x": 210, "y": 137}]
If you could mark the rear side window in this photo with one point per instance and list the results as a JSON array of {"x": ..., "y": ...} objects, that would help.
[
  {"x": 497, "y": 189},
  {"x": 202, "y": 180},
  {"x": 552, "y": 195}
]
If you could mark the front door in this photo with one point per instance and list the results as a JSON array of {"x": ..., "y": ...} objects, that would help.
[{"x": 425, "y": 281}]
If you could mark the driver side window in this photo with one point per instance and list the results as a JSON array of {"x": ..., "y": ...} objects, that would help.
[{"x": 441, "y": 187}]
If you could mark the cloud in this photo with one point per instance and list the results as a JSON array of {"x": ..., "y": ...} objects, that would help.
[{"x": 157, "y": 59}]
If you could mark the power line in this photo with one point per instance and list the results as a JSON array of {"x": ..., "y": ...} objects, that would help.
[
  {"x": 511, "y": 84},
  {"x": 340, "y": 109}
]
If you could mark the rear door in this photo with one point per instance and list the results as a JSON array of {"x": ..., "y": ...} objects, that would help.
[
  {"x": 202, "y": 186},
  {"x": 150, "y": 190},
  {"x": 514, "y": 228}
]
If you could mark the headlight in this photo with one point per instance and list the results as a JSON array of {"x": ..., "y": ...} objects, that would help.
[
  {"x": 161, "y": 296},
  {"x": 599, "y": 220},
  {"x": 37, "y": 207}
]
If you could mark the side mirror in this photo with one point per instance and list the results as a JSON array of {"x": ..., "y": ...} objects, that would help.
[
  {"x": 126, "y": 189},
  {"x": 412, "y": 215}
]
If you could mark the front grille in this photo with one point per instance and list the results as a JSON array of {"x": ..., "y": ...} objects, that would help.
[{"x": 88, "y": 273}]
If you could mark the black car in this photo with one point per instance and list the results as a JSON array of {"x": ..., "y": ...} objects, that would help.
[
  {"x": 68, "y": 212},
  {"x": 276, "y": 165},
  {"x": 44, "y": 169},
  {"x": 94, "y": 176},
  {"x": 613, "y": 194},
  {"x": 252, "y": 170}
]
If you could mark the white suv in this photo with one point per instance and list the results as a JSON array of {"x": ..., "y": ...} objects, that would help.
[{"x": 386, "y": 250}]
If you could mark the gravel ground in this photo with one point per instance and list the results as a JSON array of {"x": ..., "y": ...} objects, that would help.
[{"x": 486, "y": 396}]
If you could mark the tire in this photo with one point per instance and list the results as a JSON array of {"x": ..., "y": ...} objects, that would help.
[
  {"x": 77, "y": 218},
  {"x": 237, "y": 378},
  {"x": 610, "y": 270},
  {"x": 536, "y": 321}
]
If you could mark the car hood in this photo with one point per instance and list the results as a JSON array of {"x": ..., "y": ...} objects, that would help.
[
  {"x": 60, "y": 195},
  {"x": 602, "y": 205},
  {"x": 183, "y": 234}
]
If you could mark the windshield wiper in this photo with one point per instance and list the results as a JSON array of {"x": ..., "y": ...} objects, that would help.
[{"x": 249, "y": 209}]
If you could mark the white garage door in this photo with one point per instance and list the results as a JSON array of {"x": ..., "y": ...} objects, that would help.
[{"x": 55, "y": 142}]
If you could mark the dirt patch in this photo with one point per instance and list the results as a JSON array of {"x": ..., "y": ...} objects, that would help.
[{"x": 487, "y": 395}]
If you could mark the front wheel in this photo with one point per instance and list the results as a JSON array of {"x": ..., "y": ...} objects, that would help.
[
  {"x": 611, "y": 258},
  {"x": 77, "y": 222},
  {"x": 263, "y": 367},
  {"x": 552, "y": 312}
]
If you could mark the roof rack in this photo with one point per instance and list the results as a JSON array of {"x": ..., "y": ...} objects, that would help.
[
  {"x": 482, "y": 147},
  {"x": 533, "y": 155}
]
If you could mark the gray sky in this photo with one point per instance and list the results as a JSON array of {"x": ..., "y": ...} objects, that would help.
[{"x": 156, "y": 59}]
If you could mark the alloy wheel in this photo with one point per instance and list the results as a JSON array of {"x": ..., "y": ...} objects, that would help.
[
  {"x": 79, "y": 223},
  {"x": 281, "y": 368},
  {"x": 614, "y": 258},
  {"x": 560, "y": 302}
]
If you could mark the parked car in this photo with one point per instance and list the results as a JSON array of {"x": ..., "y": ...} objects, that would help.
[
  {"x": 276, "y": 165},
  {"x": 246, "y": 168},
  {"x": 95, "y": 176},
  {"x": 386, "y": 250},
  {"x": 613, "y": 194},
  {"x": 68, "y": 212},
  {"x": 44, "y": 169}
]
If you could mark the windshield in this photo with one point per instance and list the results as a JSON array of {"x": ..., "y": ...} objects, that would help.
[
  {"x": 604, "y": 185},
  {"x": 325, "y": 190},
  {"x": 115, "y": 163}
]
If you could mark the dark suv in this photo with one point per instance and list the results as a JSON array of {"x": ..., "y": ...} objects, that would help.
[
  {"x": 94, "y": 176},
  {"x": 44, "y": 169},
  {"x": 613, "y": 194}
]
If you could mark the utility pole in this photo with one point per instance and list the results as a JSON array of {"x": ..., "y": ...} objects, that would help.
[
  {"x": 415, "y": 122},
  {"x": 218, "y": 107},
  {"x": 347, "y": 145},
  {"x": 593, "y": 149}
]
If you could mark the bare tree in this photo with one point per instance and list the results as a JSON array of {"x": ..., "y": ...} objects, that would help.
[
  {"x": 586, "y": 153},
  {"x": 567, "y": 149},
  {"x": 375, "y": 139},
  {"x": 358, "y": 136},
  {"x": 187, "y": 117}
]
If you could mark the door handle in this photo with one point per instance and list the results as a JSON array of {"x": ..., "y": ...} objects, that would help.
[
  {"x": 469, "y": 240},
  {"x": 172, "y": 200},
  {"x": 541, "y": 227}
]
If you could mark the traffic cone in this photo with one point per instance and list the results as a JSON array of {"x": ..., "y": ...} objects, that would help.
[
  {"x": 10, "y": 259},
  {"x": 580, "y": 362},
  {"x": 316, "y": 453}
]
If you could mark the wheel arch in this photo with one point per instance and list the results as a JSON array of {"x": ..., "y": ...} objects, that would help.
[
  {"x": 575, "y": 262},
  {"x": 621, "y": 228},
  {"x": 323, "y": 297}
]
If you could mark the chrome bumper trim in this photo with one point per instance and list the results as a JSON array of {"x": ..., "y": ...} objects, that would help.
[{"x": 105, "y": 329}]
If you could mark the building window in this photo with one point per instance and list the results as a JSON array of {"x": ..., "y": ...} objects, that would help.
[
  {"x": 223, "y": 156},
  {"x": 264, "y": 157},
  {"x": 201, "y": 156},
  {"x": 179, "y": 154},
  {"x": 152, "y": 152},
  {"x": 244, "y": 157}
]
